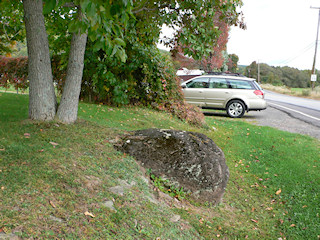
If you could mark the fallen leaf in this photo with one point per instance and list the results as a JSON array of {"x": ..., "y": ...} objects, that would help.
[
  {"x": 89, "y": 214},
  {"x": 52, "y": 204},
  {"x": 304, "y": 206},
  {"x": 41, "y": 150},
  {"x": 278, "y": 192},
  {"x": 4, "y": 229},
  {"x": 2, "y": 188},
  {"x": 292, "y": 225},
  {"x": 2, "y": 149},
  {"x": 54, "y": 144},
  {"x": 253, "y": 220},
  {"x": 26, "y": 135}
]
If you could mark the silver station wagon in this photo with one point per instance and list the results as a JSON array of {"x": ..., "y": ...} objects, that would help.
[{"x": 235, "y": 94}]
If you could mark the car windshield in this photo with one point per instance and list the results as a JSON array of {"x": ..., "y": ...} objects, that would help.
[{"x": 198, "y": 83}]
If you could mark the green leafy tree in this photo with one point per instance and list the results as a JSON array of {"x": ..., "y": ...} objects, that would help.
[
  {"x": 290, "y": 77},
  {"x": 105, "y": 23},
  {"x": 102, "y": 21}
]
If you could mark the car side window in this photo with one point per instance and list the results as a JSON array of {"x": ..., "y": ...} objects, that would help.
[
  {"x": 218, "y": 83},
  {"x": 198, "y": 83},
  {"x": 240, "y": 84}
]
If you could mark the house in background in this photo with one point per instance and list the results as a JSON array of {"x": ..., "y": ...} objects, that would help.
[{"x": 186, "y": 74}]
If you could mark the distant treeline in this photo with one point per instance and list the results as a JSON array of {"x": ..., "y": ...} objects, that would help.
[{"x": 291, "y": 77}]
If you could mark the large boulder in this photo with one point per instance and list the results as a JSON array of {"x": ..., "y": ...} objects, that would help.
[{"x": 187, "y": 159}]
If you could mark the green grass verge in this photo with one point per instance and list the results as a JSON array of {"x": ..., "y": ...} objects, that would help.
[{"x": 51, "y": 175}]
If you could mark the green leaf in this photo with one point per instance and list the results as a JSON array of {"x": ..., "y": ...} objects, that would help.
[
  {"x": 49, "y": 6},
  {"x": 120, "y": 42},
  {"x": 97, "y": 46},
  {"x": 91, "y": 10},
  {"x": 93, "y": 37},
  {"x": 73, "y": 27},
  {"x": 84, "y": 4},
  {"x": 108, "y": 49},
  {"x": 115, "y": 49},
  {"x": 122, "y": 55}
]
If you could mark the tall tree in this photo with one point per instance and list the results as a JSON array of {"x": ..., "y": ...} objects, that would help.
[
  {"x": 210, "y": 52},
  {"x": 42, "y": 99},
  {"x": 68, "y": 108},
  {"x": 195, "y": 22},
  {"x": 216, "y": 59}
]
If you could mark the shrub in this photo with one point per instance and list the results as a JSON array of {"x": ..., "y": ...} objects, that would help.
[
  {"x": 147, "y": 77},
  {"x": 305, "y": 93},
  {"x": 14, "y": 71}
]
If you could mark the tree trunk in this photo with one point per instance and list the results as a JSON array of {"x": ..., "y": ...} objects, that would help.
[
  {"x": 42, "y": 98},
  {"x": 68, "y": 108}
]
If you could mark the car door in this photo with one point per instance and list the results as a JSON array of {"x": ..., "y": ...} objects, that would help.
[
  {"x": 217, "y": 93},
  {"x": 194, "y": 92}
]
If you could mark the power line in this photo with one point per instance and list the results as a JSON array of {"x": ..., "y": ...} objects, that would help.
[{"x": 303, "y": 51}]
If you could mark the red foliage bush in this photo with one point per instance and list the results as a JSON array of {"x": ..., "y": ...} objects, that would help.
[
  {"x": 176, "y": 105},
  {"x": 186, "y": 112},
  {"x": 14, "y": 71}
]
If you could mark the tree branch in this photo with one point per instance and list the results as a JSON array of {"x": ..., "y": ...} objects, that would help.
[
  {"x": 70, "y": 5},
  {"x": 143, "y": 9}
]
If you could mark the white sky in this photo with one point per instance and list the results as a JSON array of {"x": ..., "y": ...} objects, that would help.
[{"x": 279, "y": 33}]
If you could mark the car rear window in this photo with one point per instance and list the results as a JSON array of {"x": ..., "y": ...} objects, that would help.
[
  {"x": 240, "y": 84},
  {"x": 257, "y": 85}
]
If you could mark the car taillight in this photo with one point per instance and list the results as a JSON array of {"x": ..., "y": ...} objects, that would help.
[{"x": 259, "y": 93}]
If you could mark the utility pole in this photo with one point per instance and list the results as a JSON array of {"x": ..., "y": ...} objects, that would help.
[
  {"x": 313, "y": 71},
  {"x": 258, "y": 71}
]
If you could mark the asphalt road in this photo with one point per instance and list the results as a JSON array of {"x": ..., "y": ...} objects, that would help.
[
  {"x": 292, "y": 114},
  {"x": 287, "y": 113}
]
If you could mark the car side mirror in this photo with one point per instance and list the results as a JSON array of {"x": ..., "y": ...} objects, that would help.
[{"x": 183, "y": 85}]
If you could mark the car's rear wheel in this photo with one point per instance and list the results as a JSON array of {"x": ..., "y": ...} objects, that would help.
[{"x": 236, "y": 109}]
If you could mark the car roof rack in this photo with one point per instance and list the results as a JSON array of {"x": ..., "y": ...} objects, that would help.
[{"x": 225, "y": 74}]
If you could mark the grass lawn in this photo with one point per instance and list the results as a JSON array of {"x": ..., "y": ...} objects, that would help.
[
  {"x": 56, "y": 179},
  {"x": 299, "y": 92}
]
